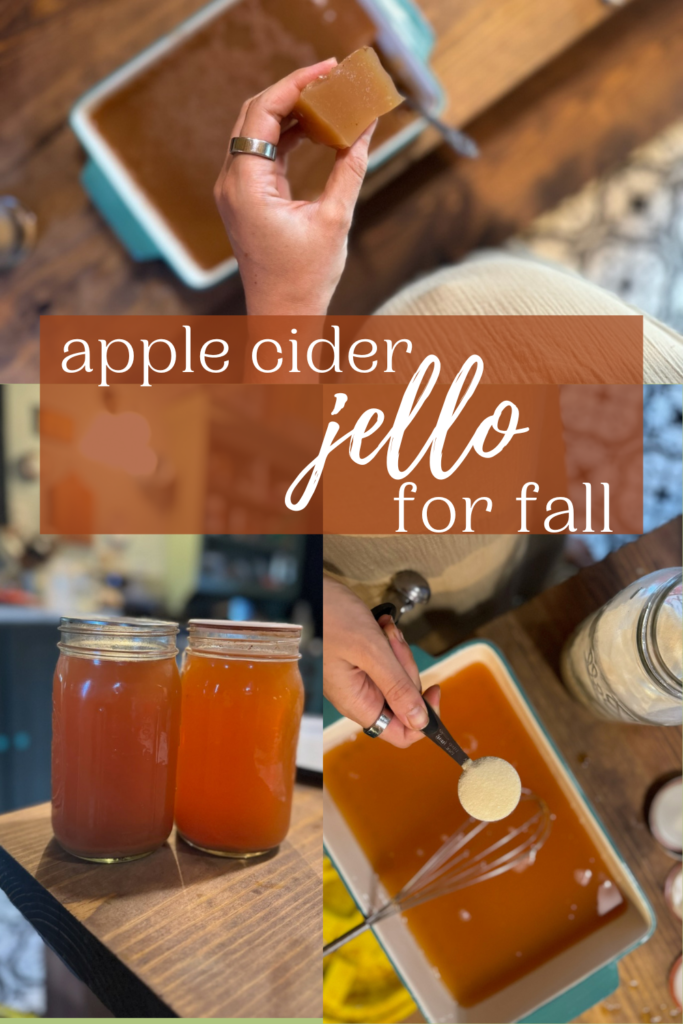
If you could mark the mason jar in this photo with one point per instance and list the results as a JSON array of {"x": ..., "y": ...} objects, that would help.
[
  {"x": 115, "y": 729},
  {"x": 241, "y": 710},
  {"x": 624, "y": 661}
]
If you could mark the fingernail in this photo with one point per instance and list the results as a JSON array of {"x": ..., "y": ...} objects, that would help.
[
  {"x": 400, "y": 635},
  {"x": 418, "y": 718}
]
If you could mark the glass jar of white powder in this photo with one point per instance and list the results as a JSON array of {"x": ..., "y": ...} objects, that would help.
[{"x": 625, "y": 661}]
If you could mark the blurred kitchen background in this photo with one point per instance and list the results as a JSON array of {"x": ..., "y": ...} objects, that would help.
[{"x": 267, "y": 577}]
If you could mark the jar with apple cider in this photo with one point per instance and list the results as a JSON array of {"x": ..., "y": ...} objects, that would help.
[
  {"x": 241, "y": 710},
  {"x": 115, "y": 728}
]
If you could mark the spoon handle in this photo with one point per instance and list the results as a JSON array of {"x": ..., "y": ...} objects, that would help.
[
  {"x": 437, "y": 732},
  {"x": 457, "y": 140}
]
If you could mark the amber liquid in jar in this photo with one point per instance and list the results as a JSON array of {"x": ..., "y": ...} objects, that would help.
[
  {"x": 116, "y": 717},
  {"x": 241, "y": 711}
]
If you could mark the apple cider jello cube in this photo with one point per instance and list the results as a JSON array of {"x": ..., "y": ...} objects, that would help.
[{"x": 336, "y": 108}]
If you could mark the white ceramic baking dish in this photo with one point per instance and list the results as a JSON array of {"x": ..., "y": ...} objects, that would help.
[
  {"x": 542, "y": 985},
  {"x": 404, "y": 37}
]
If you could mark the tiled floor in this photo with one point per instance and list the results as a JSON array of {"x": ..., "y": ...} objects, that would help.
[
  {"x": 625, "y": 231},
  {"x": 663, "y": 465},
  {"x": 22, "y": 964}
]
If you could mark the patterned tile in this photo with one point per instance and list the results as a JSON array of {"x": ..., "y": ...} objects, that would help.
[{"x": 624, "y": 232}]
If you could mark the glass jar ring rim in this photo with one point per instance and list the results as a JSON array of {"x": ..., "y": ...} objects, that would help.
[
  {"x": 239, "y": 625},
  {"x": 114, "y": 626}
]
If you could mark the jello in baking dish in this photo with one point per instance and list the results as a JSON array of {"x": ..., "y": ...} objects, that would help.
[
  {"x": 401, "y": 804},
  {"x": 170, "y": 123}
]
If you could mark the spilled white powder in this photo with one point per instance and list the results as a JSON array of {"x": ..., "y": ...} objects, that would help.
[
  {"x": 609, "y": 897},
  {"x": 489, "y": 788}
]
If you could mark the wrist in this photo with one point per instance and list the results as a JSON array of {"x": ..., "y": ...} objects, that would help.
[
  {"x": 287, "y": 301},
  {"x": 274, "y": 308},
  {"x": 286, "y": 305}
]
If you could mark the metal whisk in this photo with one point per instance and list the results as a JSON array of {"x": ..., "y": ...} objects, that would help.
[{"x": 458, "y": 863}]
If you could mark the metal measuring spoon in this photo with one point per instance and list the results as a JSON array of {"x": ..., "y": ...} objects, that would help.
[
  {"x": 410, "y": 589},
  {"x": 498, "y": 772}
]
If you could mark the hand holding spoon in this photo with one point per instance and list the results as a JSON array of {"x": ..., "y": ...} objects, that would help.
[{"x": 489, "y": 788}]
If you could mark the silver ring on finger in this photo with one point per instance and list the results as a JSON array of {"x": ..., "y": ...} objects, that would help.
[
  {"x": 243, "y": 145},
  {"x": 382, "y": 721}
]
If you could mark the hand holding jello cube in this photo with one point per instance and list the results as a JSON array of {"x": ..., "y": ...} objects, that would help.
[{"x": 336, "y": 108}]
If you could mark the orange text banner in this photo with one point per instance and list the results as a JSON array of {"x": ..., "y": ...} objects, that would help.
[
  {"x": 153, "y": 350},
  {"x": 376, "y": 425}
]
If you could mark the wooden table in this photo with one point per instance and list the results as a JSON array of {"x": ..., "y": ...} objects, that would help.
[
  {"x": 179, "y": 933},
  {"x": 52, "y": 52},
  {"x": 616, "y": 764}
]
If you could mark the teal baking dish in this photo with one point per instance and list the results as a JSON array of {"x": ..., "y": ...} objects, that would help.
[
  {"x": 405, "y": 38},
  {"x": 563, "y": 987}
]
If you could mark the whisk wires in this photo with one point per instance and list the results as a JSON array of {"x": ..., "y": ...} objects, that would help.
[{"x": 458, "y": 864}]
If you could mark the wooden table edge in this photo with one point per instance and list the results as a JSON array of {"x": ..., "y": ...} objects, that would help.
[
  {"x": 114, "y": 983},
  {"x": 124, "y": 994}
]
